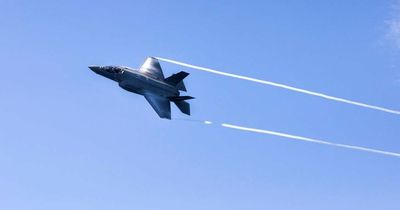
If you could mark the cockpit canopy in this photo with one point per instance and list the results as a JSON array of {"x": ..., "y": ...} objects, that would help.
[{"x": 112, "y": 69}]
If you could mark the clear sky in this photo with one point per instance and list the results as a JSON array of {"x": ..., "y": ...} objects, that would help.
[{"x": 70, "y": 139}]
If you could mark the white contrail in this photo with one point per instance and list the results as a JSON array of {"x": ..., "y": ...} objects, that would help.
[
  {"x": 290, "y": 136},
  {"x": 283, "y": 86},
  {"x": 255, "y": 130}
]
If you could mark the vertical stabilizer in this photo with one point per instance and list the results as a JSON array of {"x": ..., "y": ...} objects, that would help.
[
  {"x": 177, "y": 80},
  {"x": 183, "y": 106}
]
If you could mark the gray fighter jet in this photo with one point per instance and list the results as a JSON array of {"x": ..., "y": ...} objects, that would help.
[{"x": 149, "y": 81}]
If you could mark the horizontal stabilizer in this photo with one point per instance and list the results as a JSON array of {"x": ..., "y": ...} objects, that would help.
[
  {"x": 183, "y": 106},
  {"x": 180, "y": 98}
]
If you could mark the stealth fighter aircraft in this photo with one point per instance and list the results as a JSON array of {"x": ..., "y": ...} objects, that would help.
[{"x": 149, "y": 81}]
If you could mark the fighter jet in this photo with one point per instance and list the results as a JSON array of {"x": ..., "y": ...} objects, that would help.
[{"x": 149, "y": 81}]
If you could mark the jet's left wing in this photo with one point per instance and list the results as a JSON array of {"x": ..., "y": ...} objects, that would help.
[{"x": 160, "y": 104}]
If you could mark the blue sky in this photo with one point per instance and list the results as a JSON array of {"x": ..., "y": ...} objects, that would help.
[{"x": 70, "y": 139}]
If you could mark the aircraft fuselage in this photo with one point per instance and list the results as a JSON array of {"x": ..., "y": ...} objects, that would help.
[{"x": 136, "y": 82}]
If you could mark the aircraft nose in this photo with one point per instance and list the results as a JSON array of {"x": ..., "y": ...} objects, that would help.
[{"x": 94, "y": 68}]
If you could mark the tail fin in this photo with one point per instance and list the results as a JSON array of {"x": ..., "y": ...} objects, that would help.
[
  {"x": 181, "y": 86},
  {"x": 181, "y": 103},
  {"x": 183, "y": 106},
  {"x": 177, "y": 80}
]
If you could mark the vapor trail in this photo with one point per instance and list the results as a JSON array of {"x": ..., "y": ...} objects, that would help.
[
  {"x": 321, "y": 95},
  {"x": 300, "y": 138}
]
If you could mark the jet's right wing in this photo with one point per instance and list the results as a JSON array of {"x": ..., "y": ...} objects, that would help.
[
  {"x": 160, "y": 104},
  {"x": 152, "y": 68}
]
